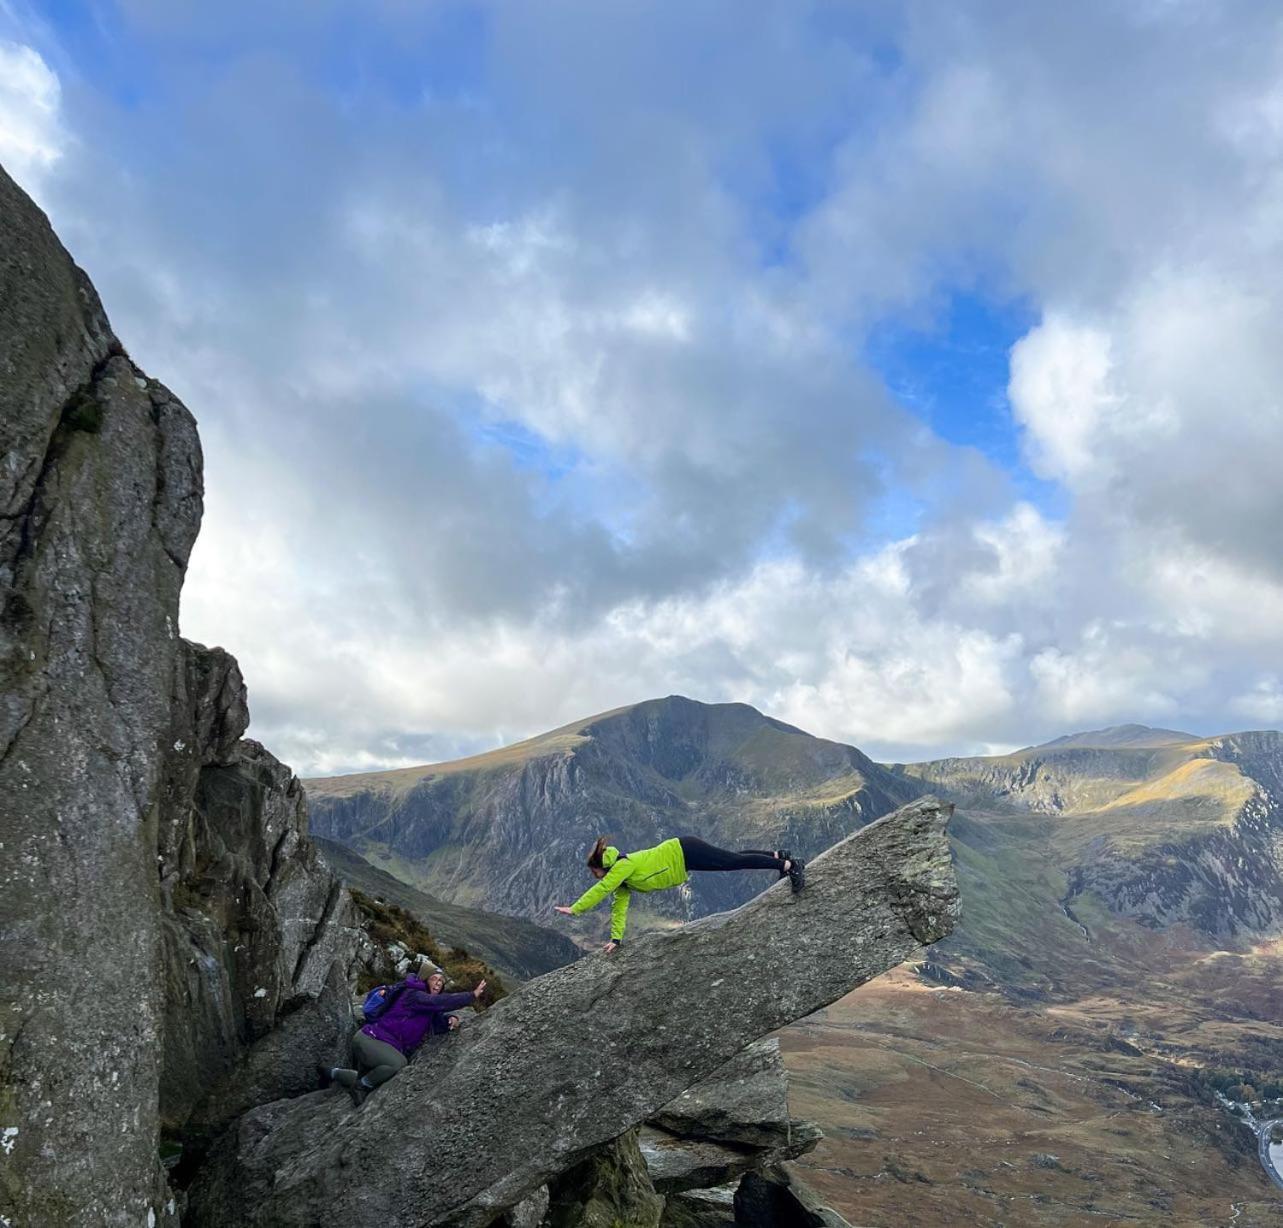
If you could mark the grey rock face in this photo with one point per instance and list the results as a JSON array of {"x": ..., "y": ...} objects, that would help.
[
  {"x": 161, "y": 906},
  {"x": 100, "y": 500},
  {"x": 256, "y": 929},
  {"x": 679, "y": 1164},
  {"x": 745, "y": 1102},
  {"x": 577, "y": 1057},
  {"x": 735, "y": 1121}
]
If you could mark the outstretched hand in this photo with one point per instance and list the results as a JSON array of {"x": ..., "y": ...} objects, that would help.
[
  {"x": 480, "y": 989},
  {"x": 561, "y": 908},
  {"x": 611, "y": 946}
]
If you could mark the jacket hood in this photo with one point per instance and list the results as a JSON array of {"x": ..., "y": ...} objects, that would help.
[{"x": 609, "y": 855}]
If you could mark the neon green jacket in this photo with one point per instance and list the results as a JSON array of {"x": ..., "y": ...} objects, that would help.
[{"x": 645, "y": 870}]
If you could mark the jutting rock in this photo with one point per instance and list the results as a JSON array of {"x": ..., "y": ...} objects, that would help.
[{"x": 579, "y": 1056}]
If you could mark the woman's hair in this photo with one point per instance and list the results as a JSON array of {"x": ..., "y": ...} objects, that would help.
[{"x": 594, "y": 858}]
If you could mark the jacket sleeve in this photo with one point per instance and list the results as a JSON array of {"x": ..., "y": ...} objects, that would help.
[
  {"x": 421, "y": 1001},
  {"x": 617, "y": 874},
  {"x": 619, "y": 912}
]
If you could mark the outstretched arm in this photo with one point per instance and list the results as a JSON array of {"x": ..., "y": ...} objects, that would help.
[
  {"x": 438, "y": 1001},
  {"x": 618, "y": 874}
]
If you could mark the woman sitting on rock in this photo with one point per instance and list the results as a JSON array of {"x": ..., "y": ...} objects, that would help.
[
  {"x": 383, "y": 1047},
  {"x": 667, "y": 865}
]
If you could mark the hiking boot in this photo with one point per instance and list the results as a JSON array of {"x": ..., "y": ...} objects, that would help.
[
  {"x": 324, "y": 1075},
  {"x": 797, "y": 874},
  {"x": 358, "y": 1094}
]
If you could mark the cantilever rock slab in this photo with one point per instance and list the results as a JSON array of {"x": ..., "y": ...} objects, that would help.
[{"x": 584, "y": 1053}]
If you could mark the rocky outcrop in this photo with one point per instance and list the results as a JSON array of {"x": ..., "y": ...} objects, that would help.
[
  {"x": 734, "y": 1122},
  {"x": 172, "y": 949},
  {"x": 100, "y": 499},
  {"x": 258, "y": 934},
  {"x": 508, "y": 831},
  {"x": 473, "y": 1128}
]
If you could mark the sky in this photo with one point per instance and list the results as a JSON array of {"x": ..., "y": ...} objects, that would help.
[{"x": 911, "y": 372}]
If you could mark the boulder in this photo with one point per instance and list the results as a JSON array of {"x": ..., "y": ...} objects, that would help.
[
  {"x": 678, "y": 1164},
  {"x": 744, "y": 1102},
  {"x": 579, "y": 1056}
]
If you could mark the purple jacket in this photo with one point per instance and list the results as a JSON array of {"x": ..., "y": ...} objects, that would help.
[{"x": 414, "y": 1014}]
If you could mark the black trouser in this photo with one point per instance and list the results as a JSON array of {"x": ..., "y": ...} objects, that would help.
[{"x": 700, "y": 855}]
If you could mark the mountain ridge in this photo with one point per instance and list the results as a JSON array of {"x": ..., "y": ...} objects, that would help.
[{"x": 508, "y": 832}]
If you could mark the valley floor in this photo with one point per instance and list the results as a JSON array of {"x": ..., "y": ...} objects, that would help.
[{"x": 947, "y": 1107}]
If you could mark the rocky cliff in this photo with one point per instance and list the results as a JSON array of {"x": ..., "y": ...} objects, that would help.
[
  {"x": 579, "y": 1056},
  {"x": 1163, "y": 827},
  {"x": 172, "y": 949},
  {"x": 508, "y": 831}
]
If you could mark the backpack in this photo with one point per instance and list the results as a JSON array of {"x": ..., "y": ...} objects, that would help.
[{"x": 379, "y": 999}]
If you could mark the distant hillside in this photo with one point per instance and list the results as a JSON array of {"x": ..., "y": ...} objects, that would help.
[
  {"x": 1132, "y": 736},
  {"x": 509, "y": 830},
  {"x": 1163, "y": 827},
  {"x": 517, "y": 948}
]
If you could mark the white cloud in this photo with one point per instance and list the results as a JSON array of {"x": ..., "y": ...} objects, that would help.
[
  {"x": 32, "y": 138},
  {"x": 1263, "y": 702},
  {"x": 544, "y": 395}
]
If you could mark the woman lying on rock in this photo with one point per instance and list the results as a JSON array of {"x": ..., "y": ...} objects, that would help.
[
  {"x": 383, "y": 1047},
  {"x": 667, "y": 865}
]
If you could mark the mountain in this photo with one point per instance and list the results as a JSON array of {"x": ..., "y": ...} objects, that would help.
[
  {"x": 1119, "y": 962},
  {"x": 1162, "y": 827},
  {"x": 1055, "y": 1060},
  {"x": 1133, "y": 736},
  {"x": 518, "y": 948},
  {"x": 508, "y": 831}
]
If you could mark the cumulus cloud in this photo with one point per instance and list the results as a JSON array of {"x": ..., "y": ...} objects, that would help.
[
  {"x": 528, "y": 350},
  {"x": 31, "y": 134}
]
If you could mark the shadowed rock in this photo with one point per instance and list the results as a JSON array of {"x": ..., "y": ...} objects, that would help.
[{"x": 582, "y": 1054}]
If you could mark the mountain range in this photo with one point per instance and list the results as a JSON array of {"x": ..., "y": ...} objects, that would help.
[{"x": 1118, "y": 952}]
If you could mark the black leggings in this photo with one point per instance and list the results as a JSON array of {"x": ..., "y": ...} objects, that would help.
[{"x": 700, "y": 855}]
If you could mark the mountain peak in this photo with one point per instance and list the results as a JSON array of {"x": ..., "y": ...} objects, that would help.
[{"x": 1119, "y": 737}]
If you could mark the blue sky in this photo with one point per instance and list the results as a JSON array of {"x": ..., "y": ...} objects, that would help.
[{"x": 908, "y": 373}]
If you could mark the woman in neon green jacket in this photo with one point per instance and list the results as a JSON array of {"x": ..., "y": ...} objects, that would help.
[{"x": 667, "y": 865}]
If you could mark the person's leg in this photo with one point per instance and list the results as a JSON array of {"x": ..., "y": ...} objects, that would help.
[
  {"x": 700, "y": 855},
  {"x": 782, "y": 854},
  {"x": 378, "y": 1061}
]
